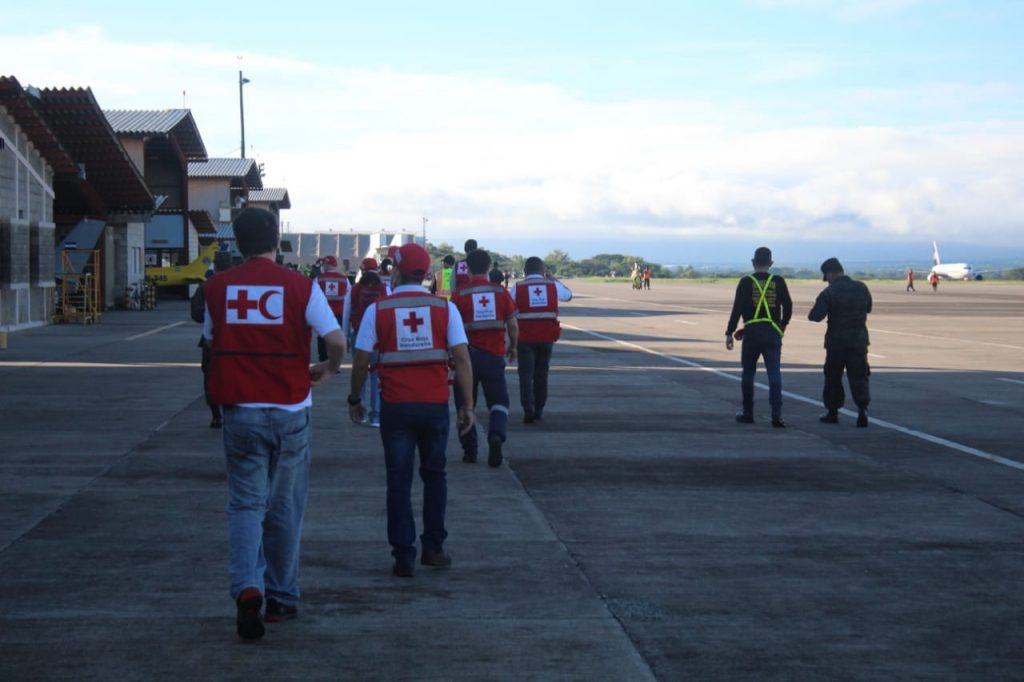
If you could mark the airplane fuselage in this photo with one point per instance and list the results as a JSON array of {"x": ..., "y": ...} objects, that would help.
[{"x": 953, "y": 271}]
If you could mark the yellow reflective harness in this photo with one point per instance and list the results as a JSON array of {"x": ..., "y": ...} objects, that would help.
[{"x": 762, "y": 303}]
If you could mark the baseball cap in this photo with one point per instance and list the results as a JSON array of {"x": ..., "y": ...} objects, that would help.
[
  {"x": 412, "y": 260},
  {"x": 330, "y": 260},
  {"x": 369, "y": 264},
  {"x": 830, "y": 265},
  {"x": 392, "y": 250}
]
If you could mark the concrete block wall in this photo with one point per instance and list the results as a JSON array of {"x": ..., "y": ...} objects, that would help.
[
  {"x": 14, "y": 254},
  {"x": 42, "y": 258}
]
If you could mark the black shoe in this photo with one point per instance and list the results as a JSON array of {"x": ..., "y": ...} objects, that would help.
[
  {"x": 529, "y": 418},
  {"x": 278, "y": 612},
  {"x": 862, "y": 419},
  {"x": 469, "y": 457},
  {"x": 249, "y": 621},
  {"x": 539, "y": 415},
  {"x": 403, "y": 570},
  {"x": 494, "y": 450},
  {"x": 438, "y": 558},
  {"x": 830, "y": 417},
  {"x": 778, "y": 422},
  {"x": 215, "y": 423},
  {"x": 744, "y": 418}
]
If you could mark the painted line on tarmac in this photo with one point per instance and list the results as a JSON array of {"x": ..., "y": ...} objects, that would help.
[
  {"x": 875, "y": 355},
  {"x": 946, "y": 338},
  {"x": 936, "y": 440},
  {"x": 153, "y": 331},
  {"x": 664, "y": 305},
  {"x": 687, "y": 322},
  {"x": 1010, "y": 381}
]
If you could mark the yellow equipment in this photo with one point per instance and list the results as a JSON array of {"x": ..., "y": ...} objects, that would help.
[{"x": 179, "y": 275}]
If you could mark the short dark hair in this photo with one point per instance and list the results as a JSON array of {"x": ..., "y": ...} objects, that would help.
[
  {"x": 763, "y": 256},
  {"x": 385, "y": 264},
  {"x": 256, "y": 231},
  {"x": 496, "y": 277},
  {"x": 470, "y": 245},
  {"x": 533, "y": 265},
  {"x": 478, "y": 261},
  {"x": 448, "y": 260}
]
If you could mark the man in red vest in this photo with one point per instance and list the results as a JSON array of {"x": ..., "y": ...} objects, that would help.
[
  {"x": 537, "y": 297},
  {"x": 259, "y": 318},
  {"x": 487, "y": 311},
  {"x": 365, "y": 293},
  {"x": 414, "y": 333},
  {"x": 462, "y": 267},
  {"x": 336, "y": 288}
]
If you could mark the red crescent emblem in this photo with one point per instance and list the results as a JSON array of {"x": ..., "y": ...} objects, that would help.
[{"x": 264, "y": 300}]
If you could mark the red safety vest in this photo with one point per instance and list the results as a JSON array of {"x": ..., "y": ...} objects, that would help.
[
  {"x": 260, "y": 337},
  {"x": 537, "y": 302},
  {"x": 335, "y": 286},
  {"x": 462, "y": 274},
  {"x": 412, "y": 338},
  {"x": 364, "y": 295},
  {"x": 484, "y": 307}
]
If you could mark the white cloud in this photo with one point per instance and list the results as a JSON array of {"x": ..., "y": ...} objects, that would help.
[{"x": 368, "y": 149}]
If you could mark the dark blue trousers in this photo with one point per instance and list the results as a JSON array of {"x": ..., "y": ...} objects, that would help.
[
  {"x": 489, "y": 372},
  {"x": 761, "y": 340},
  {"x": 404, "y": 428},
  {"x": 534, "y": 363}
]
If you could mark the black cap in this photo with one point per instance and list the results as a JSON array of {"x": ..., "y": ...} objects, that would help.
[
  {"x": 763, "y": 256},
  {"x": 831, "y": 265}
]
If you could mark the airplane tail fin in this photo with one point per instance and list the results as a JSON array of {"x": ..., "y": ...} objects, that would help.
[{"x": 935, "y": 254}]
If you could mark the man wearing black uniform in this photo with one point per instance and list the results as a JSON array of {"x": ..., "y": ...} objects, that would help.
[
  {"x": 762, "y": 299},
  {"x": 846, "y": 303}
]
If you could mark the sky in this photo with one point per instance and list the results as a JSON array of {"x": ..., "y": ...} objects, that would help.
[{"x": 680, "y": 132}]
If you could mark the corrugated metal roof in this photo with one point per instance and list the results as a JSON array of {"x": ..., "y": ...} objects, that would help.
[
  {"x": 225, "y": 231},
  {"x": 19, "y": 106},
  {"x": 176, "y": 123},
  {"x": 202, "y": 221},
  {"x": 271, "y": 194},
  {"x": 227, "y": 168}
]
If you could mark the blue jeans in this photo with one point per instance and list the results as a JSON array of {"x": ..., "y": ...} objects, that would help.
[
  {"x": 534, "y": 363},
  {"x": 404, "y": 428},
  {"x": 267, "y": 455},
  {"x": 371, "y": 391},
  {"x": 489, "y": 370},
  {"x": 761, "y": 340}
]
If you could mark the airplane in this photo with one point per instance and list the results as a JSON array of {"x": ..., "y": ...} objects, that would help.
[
  {"x": 950, "y": 270},
  {"x": 180, "y": 275}
]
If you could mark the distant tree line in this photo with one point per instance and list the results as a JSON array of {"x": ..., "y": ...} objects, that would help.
[{"x": 621, "y": 265}]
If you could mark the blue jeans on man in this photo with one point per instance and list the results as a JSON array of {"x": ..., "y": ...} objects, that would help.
[
  {"x": 404, "y": 428},
  {"x": 267, "y": 458},
  {"x": 762, "y": 340},
  {"x": 534, "y": 364},
  {"x": 489, "y": 371}
]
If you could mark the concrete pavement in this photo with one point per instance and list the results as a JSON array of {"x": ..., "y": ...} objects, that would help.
[{"x": 637, "y": 533}]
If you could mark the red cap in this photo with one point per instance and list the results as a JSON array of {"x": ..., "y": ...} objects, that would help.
[
  {"x": 369, "y": 264},
  {"x": 330, "y": 260},
  {"x": 392, "y": 250},
  {"x": 412, "y": 260}
]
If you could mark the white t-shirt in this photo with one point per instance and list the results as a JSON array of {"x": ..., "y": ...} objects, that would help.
[
  {"x": 367, "y": 338},
  {"x": 318, "y": 316}
]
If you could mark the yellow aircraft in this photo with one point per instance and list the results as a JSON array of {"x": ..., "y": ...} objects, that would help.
[{"x": 180, "y": 275}]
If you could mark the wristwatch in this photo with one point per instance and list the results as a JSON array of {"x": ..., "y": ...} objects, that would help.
[{"x": 353, "y": 402}]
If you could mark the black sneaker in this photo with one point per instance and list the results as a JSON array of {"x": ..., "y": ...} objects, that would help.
[
  {"x": 494, "y": 450},
  {"x": 778, "y": 422},
  {"x": 249, "y": 621},
  {"x": 469, "y": 457},
  {"x": 529, "y": 418},
  {"x": 744, "y": 418},
  {"x": 862, "y": 419},
  {"x": 278, "y": 612},
  {"x": 438, "y": 558},
  {"x": 215, "y": 423},
  {"x": 830, "y": 417},
  {"x": 403, "y": 570}
]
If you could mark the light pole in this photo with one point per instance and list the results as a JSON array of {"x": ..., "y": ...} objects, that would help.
[
  {"x": 241, "y": 107},
  {"x": 424, "y": 233}
]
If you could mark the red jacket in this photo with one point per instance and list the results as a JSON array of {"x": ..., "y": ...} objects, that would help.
[
  {"x": 484, "y": 307},
  {"x": 335, "y": 286},
  {"x": 260, "y": 351},
  {"x": 537, "y": 301},
  {"x": 412, "y": 338}
]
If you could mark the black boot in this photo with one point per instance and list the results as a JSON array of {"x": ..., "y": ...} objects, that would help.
[
  {"x": 830, "y": 417},
  {"x": 862, "y": 418}
]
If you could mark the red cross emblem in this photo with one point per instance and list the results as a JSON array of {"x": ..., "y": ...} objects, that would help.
[
  {"x": 537, "y": 291},
  {"x": 484, "y": 301},
  {"x": 243, "y": 305},
  {"x": 413, "y": 322}
]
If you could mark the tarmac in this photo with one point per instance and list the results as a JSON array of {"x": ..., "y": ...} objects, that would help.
[{"x": 637, "y": 533}]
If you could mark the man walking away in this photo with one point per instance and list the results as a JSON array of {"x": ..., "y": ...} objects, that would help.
[
  {"x": 910, "y": 280},
  {"x": 536, "y": 298},
  {"x": 444, "y": 279},
  {"x": 414, "y": 331},
  {"x": 846, "y": 303},
  {"x": 336, "y": 289},
  {"x": 462, "y": 268},
  {"x": 487, "y": 311},
  {"x": 259, "y": 317},
  {"x": 367, "y": 291},
  {"x": 762, "y": 299}
]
